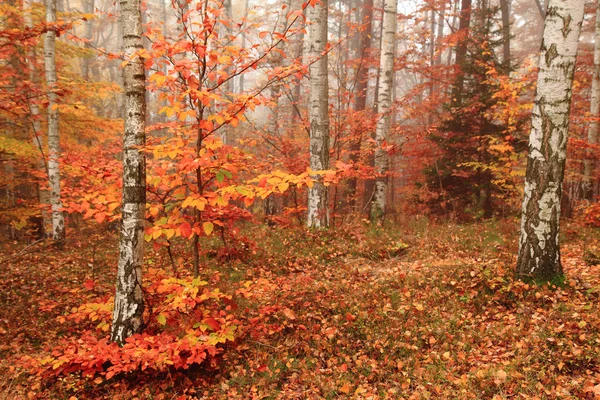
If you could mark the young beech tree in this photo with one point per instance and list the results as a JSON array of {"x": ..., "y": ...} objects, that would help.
[
  {"x": 384, "y": 102},
  {"x": 539, "y": 252},
  {"x": 58, "y": 221},
  {"x": 129, "y": 298},
  {"x": 318, "y": 208}
]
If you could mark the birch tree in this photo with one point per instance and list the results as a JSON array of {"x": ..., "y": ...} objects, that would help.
[
  {"x": 539, "y": 251},
  {"x": 318, "y": 113},
  {"x": 592, "y": 135},
  {"x": 384, "y": 102},
  {"x": 129, "y": 298},
  {"x": 58, "y": 221}
]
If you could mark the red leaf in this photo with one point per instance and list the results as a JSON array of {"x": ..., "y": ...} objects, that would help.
[
  {"x": 262, "y": 368},
  {"x": 212, "y": 323},
  {"x": 89, "y": 284}
]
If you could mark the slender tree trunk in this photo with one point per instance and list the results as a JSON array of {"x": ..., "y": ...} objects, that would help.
[
  {"x": 505, "y": 10},
  {"x": 362, "y": 86},
  {"x": 384, "y": 102},
  {"x": 440, "y": 35},
  {"x": 129, "y": 297},
  {"x": 88, "y": 8},
  {"x": 318, "y": 208},
  {"x": 592, "y": 135},
  {"x": 461, "y": 49},
  {"x": 539, "y": 251},
  {"x": 58, "y": 220},
  {"x": 34, "y": 110},
  {"x": 453, "y": 27}
]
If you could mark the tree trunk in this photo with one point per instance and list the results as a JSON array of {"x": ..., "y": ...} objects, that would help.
[
  {"x": 592, "y": 136},
  {"x": 129, "y": 298},
  {"x": 34, "y": 111},
  {"x": 58, "y": 220},
  {"x": 88, "y": 8},
  {"x": 505, "y": 10},
  {"x": 384, "y": 102},
  {"x": 539, "y": 251},
  {"x": 461, "y": 50},
  {"x": 362, "y": 85},
  {"x": 440, "y": 35},
  {"x": 318, "y": 213}
]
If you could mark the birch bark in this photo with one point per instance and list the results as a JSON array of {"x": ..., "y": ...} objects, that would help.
[
  {"x": 318, "y": 212},
  {"x": 129, "y": 298},
  {"x": 384, "y": 102},
  {"x": 539, "y": 251},
  {"x": 58, "y": 221}
]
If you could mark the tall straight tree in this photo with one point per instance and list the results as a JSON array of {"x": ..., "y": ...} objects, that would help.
[
  {"x": 58, "y": 219},
  {"x": 364, "y": 13},
  {"x": 539, "y": 251},
  {"x": 461, "y": 49},
  {"x": 129, "y": 298},
  {"x": 318, "y": 207},
  {"x": 592, "y": 136},
  {"x": 384, "y": 103},
  {"x": 34, "y": 112},
  {"x": 505, "y": 10}
]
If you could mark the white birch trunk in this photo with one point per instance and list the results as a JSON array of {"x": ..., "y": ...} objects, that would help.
[
  {"x": 539, "y": 251},
  {"x": 592, "y": 136},
  {"x": 129, "y": 298},
  {"x": 318, "y": 208},
  {"x": 58, "y": 220},
  {"x": 384, "y": 102}
]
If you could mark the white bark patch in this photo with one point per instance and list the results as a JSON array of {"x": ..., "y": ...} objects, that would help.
[
  {"x": 539, "y": 252},
  {"x": 318, "y": 208},
  {"x": 129, "y": 298},
  {"x": 384, "y": 102},
  {"x": 58, "y": 221}
]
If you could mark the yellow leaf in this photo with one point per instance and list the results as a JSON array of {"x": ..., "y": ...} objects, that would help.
[
  {"x": 156, "y": 233},
  {"x": 345, "y": 389},
  {"x": 208, "y": 227}
]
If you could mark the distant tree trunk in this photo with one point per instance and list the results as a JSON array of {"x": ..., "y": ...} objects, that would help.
[
  {"x": 246, "y": 7},
  {"x": 129, "y": 298},
  {"x": 58, "y": 220},
  {"x": 34, "y": 110},
  {"x": 461, "y": 50},
  {"x": 539, "y": 251},
  {"x": 384, "y": 102},
  {"x": 453, "y": 27},
  {"x": 440, "y": 36},
  {"x": 318, "y": 212},
  {"x": 592, "y": 136},
  {"x": 541, "y": 8},
  {"x": 505, "y": 10},
  {"x": 362, "y": 84},
  {"x": 88, "y": 8}
]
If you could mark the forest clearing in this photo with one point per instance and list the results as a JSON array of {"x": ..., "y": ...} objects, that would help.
[{"x": 288, "y": 199}]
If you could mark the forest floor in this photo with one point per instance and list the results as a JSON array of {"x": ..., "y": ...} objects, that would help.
[{"x": 421, "y": 311}]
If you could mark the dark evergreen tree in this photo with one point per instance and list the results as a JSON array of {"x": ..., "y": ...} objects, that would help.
[{"x": 470, "y": 137}]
